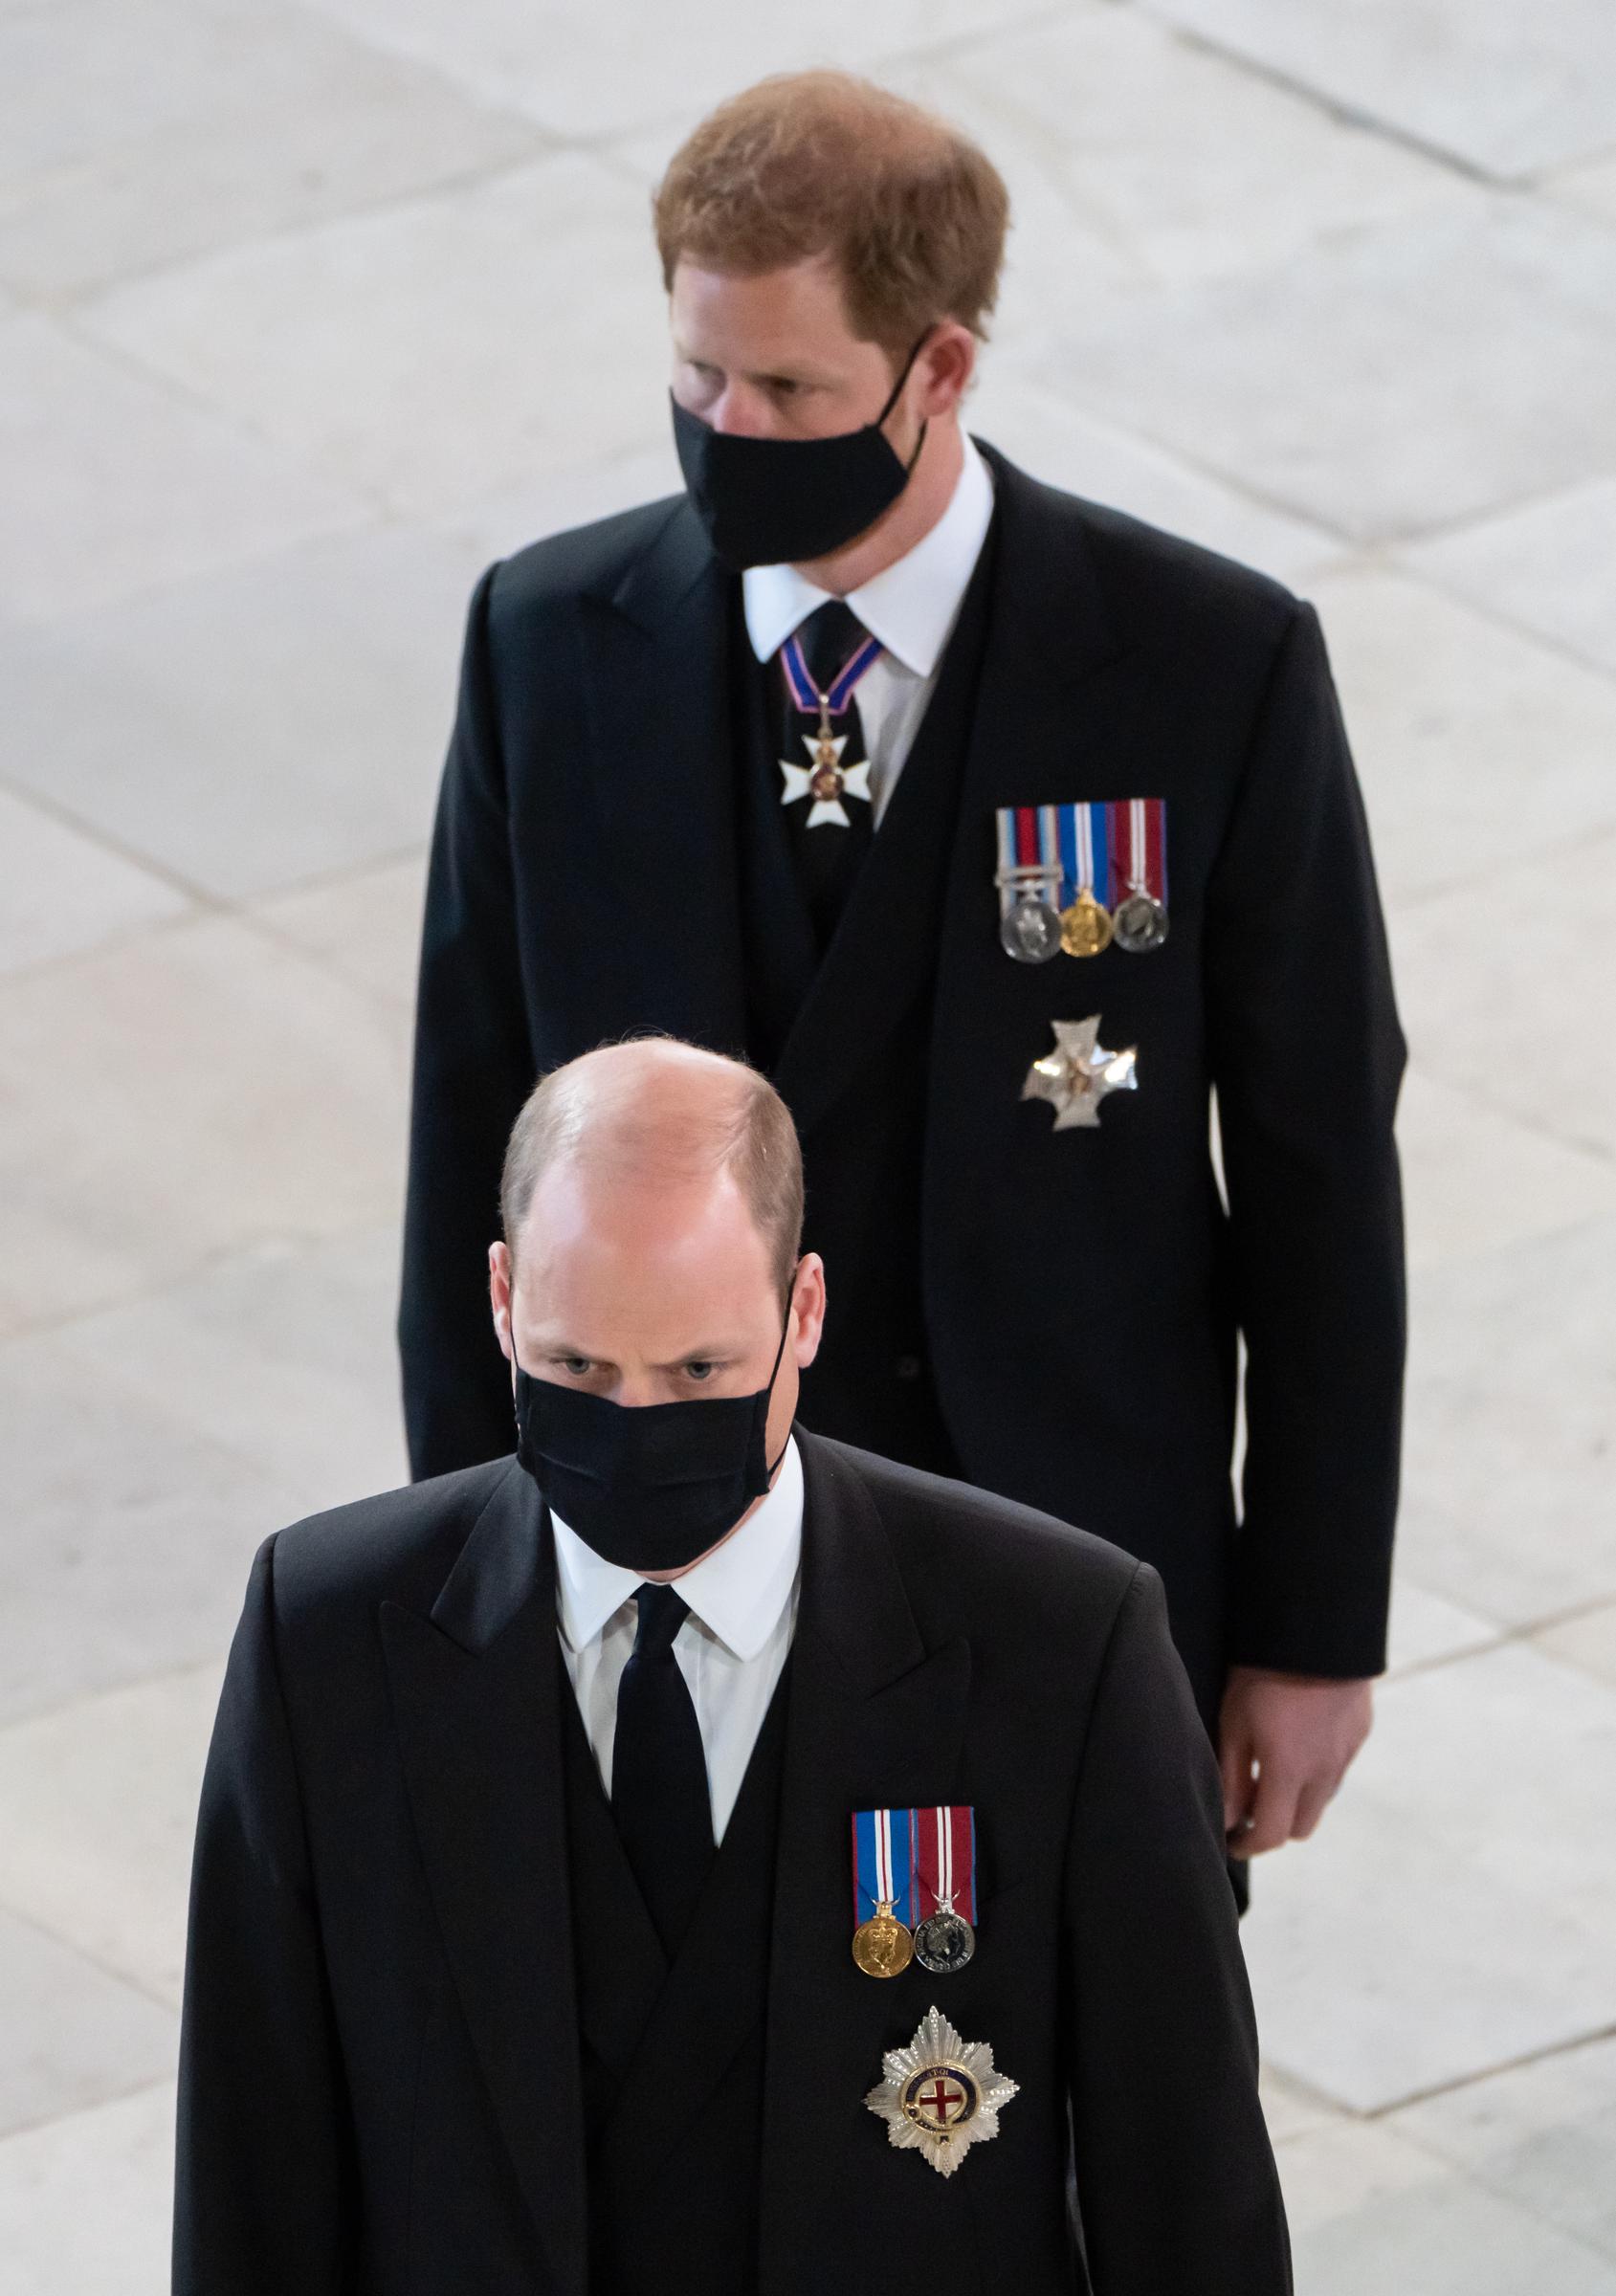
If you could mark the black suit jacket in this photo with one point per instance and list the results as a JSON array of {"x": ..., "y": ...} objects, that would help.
[
  {"x": 1083, "y": 1289},
  {"x": 380, "y": 2084}
]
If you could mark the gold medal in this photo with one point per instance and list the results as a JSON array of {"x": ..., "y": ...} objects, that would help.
[
  {"x": 882, "y": 1946},
  {"x": 1086, "y": 927}
]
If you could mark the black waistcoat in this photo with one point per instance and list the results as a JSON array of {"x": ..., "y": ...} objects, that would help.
[
  {"x": 863, "y": 1154},
  {"x": 672, "y": 2055}
]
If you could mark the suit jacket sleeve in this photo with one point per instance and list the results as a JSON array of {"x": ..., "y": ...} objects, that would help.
[
  {"x": 262, "y": 2191},
  {"x": 474, "y": 1068},
  {"x": 1176, "y": 2182},
  {"x": 1307, "y": 1057}
]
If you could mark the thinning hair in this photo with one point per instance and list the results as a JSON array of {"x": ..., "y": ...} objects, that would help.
[
  {"x": 912, "y": 214},
  {"x": 741, "y": 1127}
]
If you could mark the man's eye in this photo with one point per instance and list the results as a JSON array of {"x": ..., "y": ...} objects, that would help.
[
  {"x": 576, "y": 1367},
  {"x": 698, "y": 1371}
]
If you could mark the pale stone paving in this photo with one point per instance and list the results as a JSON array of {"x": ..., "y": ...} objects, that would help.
[{"x": 306, "y": 311}]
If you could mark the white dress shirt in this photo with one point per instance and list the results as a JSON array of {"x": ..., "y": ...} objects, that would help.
[
  {"x": 731, "y": 1649},
  {"x": 912, "y": 608}
]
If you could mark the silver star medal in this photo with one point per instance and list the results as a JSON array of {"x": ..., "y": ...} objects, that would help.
[
  {"x": 1078, "y": 1076},
  {"x": 941, "y": 2095},
  {"x": 826, "y": 781}
]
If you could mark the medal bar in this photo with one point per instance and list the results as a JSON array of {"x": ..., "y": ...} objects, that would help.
[{"x": 1081, "y": 876}]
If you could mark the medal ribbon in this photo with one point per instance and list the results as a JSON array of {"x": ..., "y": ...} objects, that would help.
[
  {"x": 1139, "y": 849},
  {"x": 1028, "y": 838},
  {"x": 805, "y": 693},
  {"x": 883, "y": 1864},
  {"x": 1085, "y": 848},
  {"x": 945, "y": 1860}
]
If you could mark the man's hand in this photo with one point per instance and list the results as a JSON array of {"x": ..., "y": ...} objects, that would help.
[{"x": 1285, "y": 1742}]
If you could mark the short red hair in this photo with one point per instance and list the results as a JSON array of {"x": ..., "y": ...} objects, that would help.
[{"x": 912, "y": 214}]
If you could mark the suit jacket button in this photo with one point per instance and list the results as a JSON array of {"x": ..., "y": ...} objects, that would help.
[{"x": 907, "y": 1367}]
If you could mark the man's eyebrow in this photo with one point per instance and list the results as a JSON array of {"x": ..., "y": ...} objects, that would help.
[{"x": 718, "y": 1351}]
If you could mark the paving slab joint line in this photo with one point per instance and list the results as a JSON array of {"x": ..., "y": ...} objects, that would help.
[
  {"x": 298, "y": 1244},
  {"x": 80, "y": 2113},
  {"x": 1333, "y": 107},
  {"x": 1020, "y": 366},
  {"x": 1567, "y": 1617},
  {"x": 1599, "y": 1151},
  {"x": 26, "y": 794},
  {"x": 1390, "y": 559},
  {"x": 547, "y": 146},
  {"x": 108, "y": 1969},
  {"x": 1489, "y": 2072},
  {"x": 604, "y": 143},
  {"x": 79, "y": 330}
]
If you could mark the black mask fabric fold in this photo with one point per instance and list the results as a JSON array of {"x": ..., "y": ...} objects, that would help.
[
  {"x": 785, "y": 501},
  {"x": 649, "y": 1487}
]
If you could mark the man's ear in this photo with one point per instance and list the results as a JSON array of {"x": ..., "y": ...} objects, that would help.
[
  {"x": 947, "y": 363},
  {"x": 808, "y": 1302},
  {"x": 499, "y": 1279}
]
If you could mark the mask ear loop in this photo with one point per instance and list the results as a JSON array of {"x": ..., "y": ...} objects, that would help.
[
  {"x": 778, "y": 1358},
  {"x": 897, "y": 392}
]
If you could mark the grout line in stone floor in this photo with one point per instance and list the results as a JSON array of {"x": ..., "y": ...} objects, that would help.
[
  {"x": 1503, "y": 1638},
  {"x": 1339, "y": 109},
  {"x": 1492, "y": 2072},
  {"x": 1483, "y": 608},
  {"x": 611, "y": 145},
  {"x": 93, "y": 833},
  {"x": 63, "y": 304},
  {"x": 1598, "y": 1149},
  {"x": 218, "y": 1257},
  {"x": 116, "y": 1974},
  {"x": 32, "y": 1716},
  {"x": 80, "y": 2113},
  {"x": 1577, "y": 841},
  {"x": 1019, "y": 363},
  {"x": 367, "y": 500}
]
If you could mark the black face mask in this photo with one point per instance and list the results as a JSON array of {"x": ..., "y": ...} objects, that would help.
[
  {"x": 653, "y": 1487},
  {"x": 783, "y": 502}
]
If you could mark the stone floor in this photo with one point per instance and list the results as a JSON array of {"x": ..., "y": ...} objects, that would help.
[{"x": 305, "y": 312}]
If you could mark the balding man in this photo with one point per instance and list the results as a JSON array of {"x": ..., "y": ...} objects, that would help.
[{"x": 696, "y": 1856}]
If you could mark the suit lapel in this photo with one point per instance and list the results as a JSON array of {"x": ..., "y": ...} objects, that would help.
[
  {"x": 474, "y": 1703},
  {"x": 662, "y": 772},
  {"x": 877, "y": 1720}
]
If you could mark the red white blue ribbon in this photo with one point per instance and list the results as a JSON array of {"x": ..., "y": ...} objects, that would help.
[
  {"x": 883, "y": 1864},
  {"x": 1113, "y": 846}
]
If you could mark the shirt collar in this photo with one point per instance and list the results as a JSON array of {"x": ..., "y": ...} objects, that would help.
[
  {"x": 912, "y": 606},
  {"x": 738, "y": 1591}
]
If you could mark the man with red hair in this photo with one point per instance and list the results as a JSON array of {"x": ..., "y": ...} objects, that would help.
[{"x": 979, "y": 817}]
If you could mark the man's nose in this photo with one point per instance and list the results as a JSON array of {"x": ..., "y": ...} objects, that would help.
[
  {"x": 744, "y": 413},
  {"x": 635, "y": 1389}
]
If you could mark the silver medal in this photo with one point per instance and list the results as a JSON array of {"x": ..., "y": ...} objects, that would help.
[
  {"x": 1029, "y": 931},
  {"x": 944, "y": 1942},
  {"x": 1139, "y": 925}
]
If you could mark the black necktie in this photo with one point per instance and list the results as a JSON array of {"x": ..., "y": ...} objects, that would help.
[
  {"x": 659, "y": 1793},
  {"x": 829, "y": 854}
]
